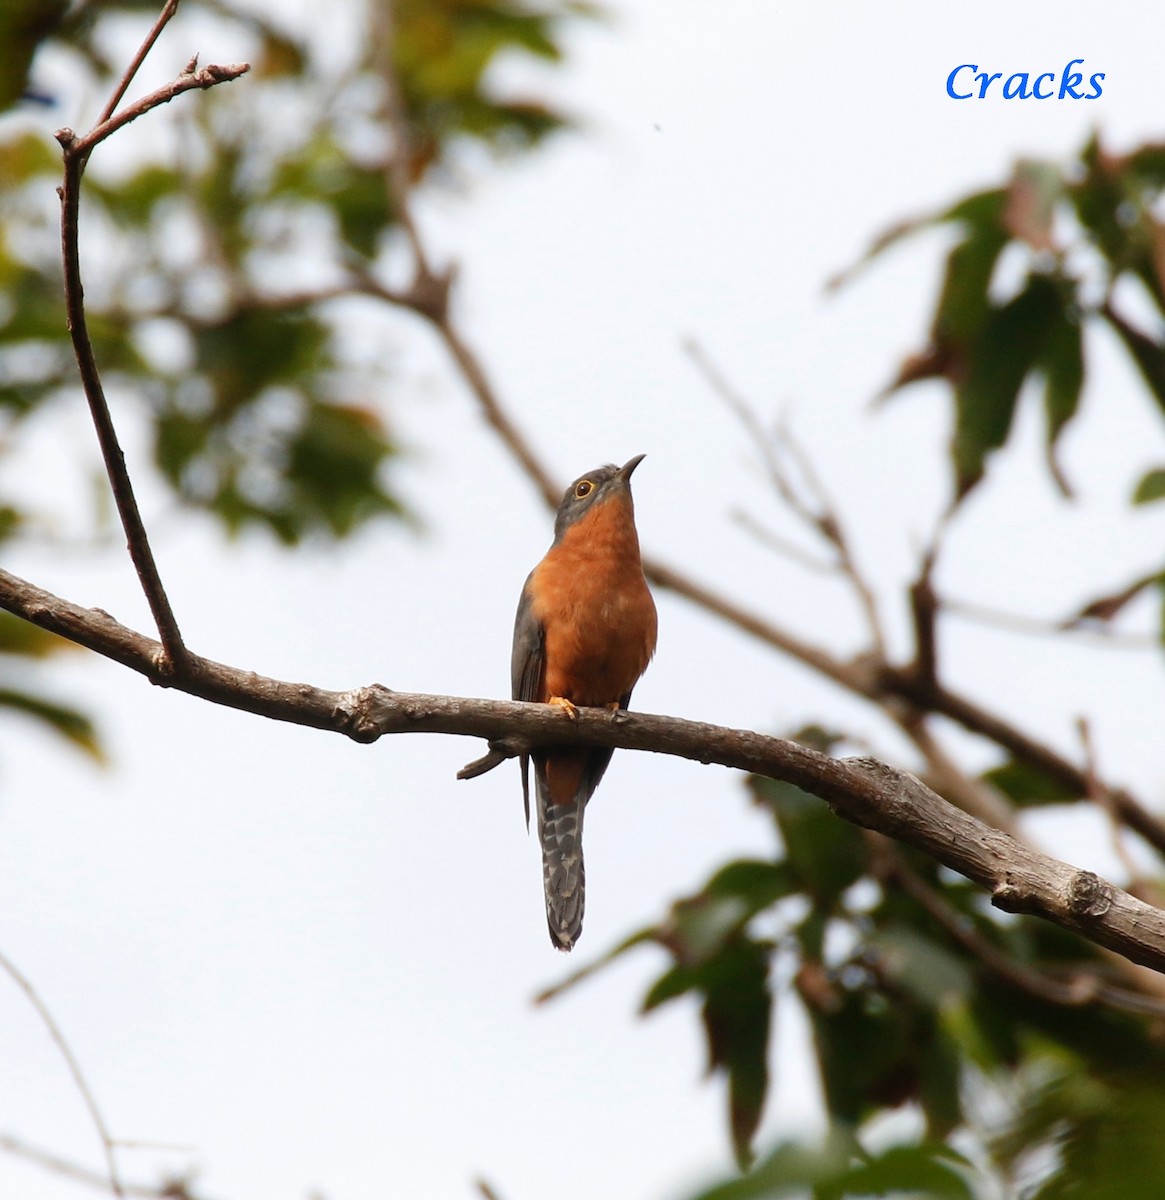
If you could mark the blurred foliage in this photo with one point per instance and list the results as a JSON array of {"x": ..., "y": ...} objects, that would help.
[
  {"x": 1010, "y": 1094},
  {"x": 217, "y": 259},
  {"x": 261, "y": 414},
  {"x": 1038, "y": 265},
  {"x": 19, "y": 643},
  {"x": 215, "y": 255}
]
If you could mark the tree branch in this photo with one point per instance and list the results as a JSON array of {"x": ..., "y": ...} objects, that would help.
[
  {"x": 864, "y": 791},
  {"x": 76, "y": 151}
]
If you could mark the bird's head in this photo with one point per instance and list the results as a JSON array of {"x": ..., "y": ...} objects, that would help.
[{"x": 593, "y": 489}]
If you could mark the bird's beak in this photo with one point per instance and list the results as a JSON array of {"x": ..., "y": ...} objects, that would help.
[{"x": 626, "y": 469}]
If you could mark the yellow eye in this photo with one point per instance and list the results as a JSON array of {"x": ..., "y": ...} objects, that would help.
[{"x": 583, "y": 488}]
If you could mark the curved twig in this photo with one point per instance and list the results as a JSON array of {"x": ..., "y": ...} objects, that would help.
[
  {"x": 76, "y": 151},
  {"x": 54, "y": 1030}
]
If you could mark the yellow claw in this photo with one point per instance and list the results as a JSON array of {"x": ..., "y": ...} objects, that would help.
[{"x": 566, "y": 706}]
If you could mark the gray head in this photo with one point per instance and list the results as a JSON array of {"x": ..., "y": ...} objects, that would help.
[{"x": 592, "y": 489}]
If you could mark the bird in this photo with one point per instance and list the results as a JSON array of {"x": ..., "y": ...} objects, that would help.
[{"x": 584, "y": 633}]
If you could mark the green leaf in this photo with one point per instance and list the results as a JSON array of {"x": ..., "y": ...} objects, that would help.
[
  {"x": 963, "y": 304},
  {"x": 18, "y": 636},
  {"x": 334, "y": 465},
  {"x": 756, "y": 882},
  {"x": 731, "y": 978},
  {"x": 918, "y": 965},
  {"x": 824, "y": 854},
  {"x": 1062, "y": 364},
  {"x": 70, "y": 723},
  {"x": 257, "y": 347},
  {"x": 829, "y": 1172},
  {"x": 789, "y": 1170},
  {"x": 715, "y": 959},
  {"x": 1026, "y": 786},
  {"x": 902, "y": 1171},
  {"x": 24, "y": 156},
  {"x": 983, "y": 209},
  {"x": 1150, "y": 487},
  {"x": 1103, "y": 1135},
  {"x": 1006, "y": 349},
  {"x": 1147, "y": 353},
  {"x": 131, "y": 202},
  {"x": 24, "y": 24},
  {"x": 737, "y": 1017}
]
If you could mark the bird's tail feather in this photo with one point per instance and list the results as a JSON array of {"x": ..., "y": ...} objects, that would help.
[{"x": 563, "y": 874}]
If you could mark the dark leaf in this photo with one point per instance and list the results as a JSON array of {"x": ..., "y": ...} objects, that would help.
[
  {"x": 791, "y": 1170},
  {"x": 1062, "y": 363},
  {"x": 24, "y": 24},
  {"x": 737, "y": 1015},
  {"x": 1026, "y": 786},
  {"x": 1147, "y": 352},
  {"x": 1110, "y": 606},
  {"x": 334, "y": 467},
  {"x": 1006, "y": 349},
  {"x": 824, "y": 854},
  {"x": 1150, "y": 487},
  {"x": 18, "y": 636},
  {"x": 963, "y": 303},
  {"x": 71, "y": 724},
  {"x": 924, "y": 1171}
]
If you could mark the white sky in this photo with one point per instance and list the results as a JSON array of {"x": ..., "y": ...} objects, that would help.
[{"x": 312, "y": 962}]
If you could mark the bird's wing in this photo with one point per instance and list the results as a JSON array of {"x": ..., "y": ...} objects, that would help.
[{"x": 527, "y": 666}]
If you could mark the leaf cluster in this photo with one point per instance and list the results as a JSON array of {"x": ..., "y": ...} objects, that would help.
[
  {"x": 260, "y": 410},
  {"x": 905, "y": 1016},
  {"x": 222, "y": 262}
]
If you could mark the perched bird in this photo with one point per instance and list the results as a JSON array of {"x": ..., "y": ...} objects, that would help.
[{"x": 584, "y": 634}]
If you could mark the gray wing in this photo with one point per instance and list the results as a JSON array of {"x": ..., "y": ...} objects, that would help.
[{"x": 527, "y": 663}]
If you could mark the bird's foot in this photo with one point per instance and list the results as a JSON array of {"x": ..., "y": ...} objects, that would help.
[{"x": 566, "y": 706}]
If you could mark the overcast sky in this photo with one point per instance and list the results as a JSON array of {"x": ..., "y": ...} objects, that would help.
[{"x": 311, "y": 963}]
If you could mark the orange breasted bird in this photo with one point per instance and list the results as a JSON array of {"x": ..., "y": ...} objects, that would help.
[{"x": 584, "y": 634}]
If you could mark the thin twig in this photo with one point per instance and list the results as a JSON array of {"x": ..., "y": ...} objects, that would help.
[
  {"x": 172, "y": 1189},
  {"x": 773, "y": 541},
  {"x": 820, "y": 515},
  {"x": 1101, "y": 796},
  {"x": 1099, "y": 634},
  {"x": 144, "y": 49},
  {"x": 54, "y": 1030},
  {"x": 192, "y": 77},
  {"x": 924, "y": 608},
  {"x": 76, "y": 151}
]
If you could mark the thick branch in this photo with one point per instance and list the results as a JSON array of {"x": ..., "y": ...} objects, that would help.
[{"x": 864, "y": 791}]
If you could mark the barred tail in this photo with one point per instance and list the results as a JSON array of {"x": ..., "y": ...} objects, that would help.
[{"x": 560, "y": 831}]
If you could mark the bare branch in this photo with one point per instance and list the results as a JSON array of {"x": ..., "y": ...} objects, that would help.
[
  {"x": 42, "y": 1010},
  {"x": 173, "y": 1189},
  {"x": 192, "y": 77},
  {"x": 144, "y": 49},
  {"x": 818, "y": 513},
  {"x": 76, "y": 151},
  {"x": 864, "y": 791}
]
